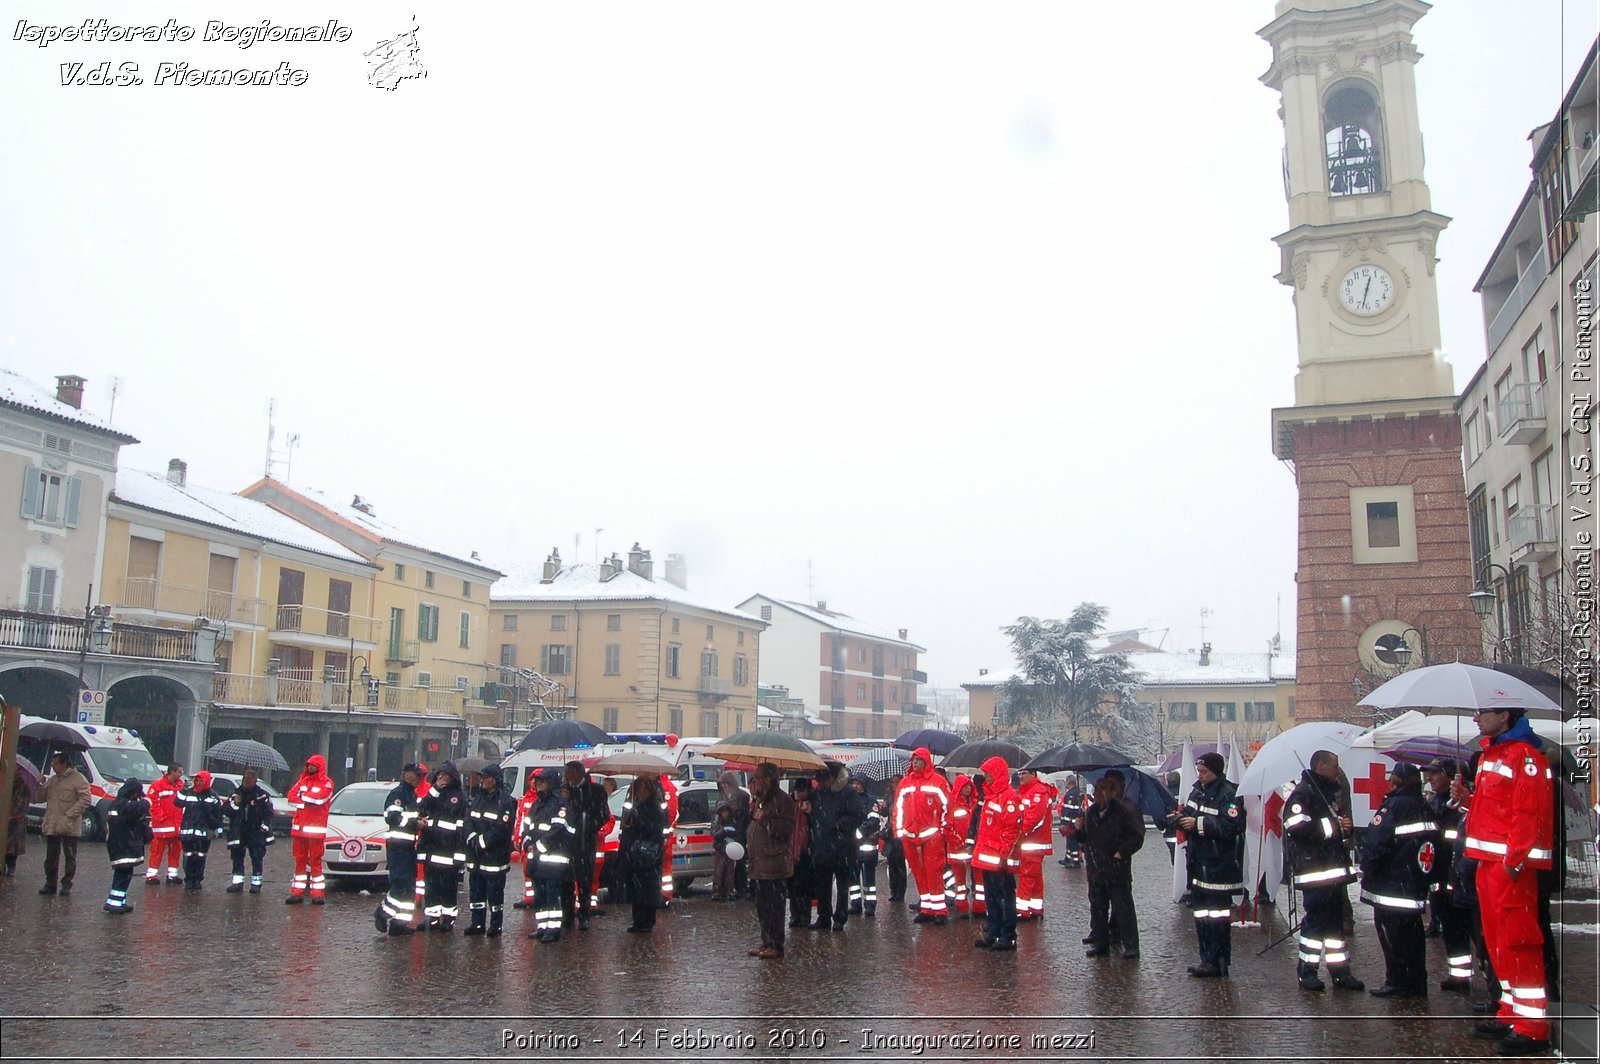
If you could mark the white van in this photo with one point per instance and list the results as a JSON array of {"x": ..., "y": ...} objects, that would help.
[{"x": 111, "y": 755}]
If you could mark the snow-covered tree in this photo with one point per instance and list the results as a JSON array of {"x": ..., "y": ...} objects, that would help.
[{"x": 1063, "y": 690}]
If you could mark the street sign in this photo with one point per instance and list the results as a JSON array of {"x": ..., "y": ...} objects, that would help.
[
  {"x": 91, "y": 707},
  {"x": 455, "y": 736},
  {"x": 372, "y": 692}
]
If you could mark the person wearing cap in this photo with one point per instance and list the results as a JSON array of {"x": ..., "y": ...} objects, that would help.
[
  {"x": 1510, "y": 832},
  {"x": 65, "y": 795},
  {"x": 1213, "y": 825},
  {"x": 249, "y": 810},
  {"x": 1038, "y": 798},
  {"x": 1069, "y": 812},
  {"x": 864, "y": 885},
  {"x": 547, "y": 839},
  {"x": 1455, "y": 921},
  {"x": 127, "y": 834},
  {"x": 1399, "y": 867},
  {"x": 399, "y": 906},
  {"x": 442, "y": 846},
  {"x": 202, "y": 818},
  {"x": 1317, "y": 823},
  {"x": 491, "y": 823},
  {"x": 586, "y": 806},
  {"x": 997, "y": 854},
  {"x": 309, "y": 831}
]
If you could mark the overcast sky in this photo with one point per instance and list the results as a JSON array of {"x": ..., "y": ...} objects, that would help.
[{"x": 942, "y": 313}]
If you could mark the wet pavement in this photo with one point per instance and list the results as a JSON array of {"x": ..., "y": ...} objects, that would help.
[{"x": 216, "y": 976}]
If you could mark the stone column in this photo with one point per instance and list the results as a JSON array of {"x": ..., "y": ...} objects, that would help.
[{"x": 193, "y": 720}]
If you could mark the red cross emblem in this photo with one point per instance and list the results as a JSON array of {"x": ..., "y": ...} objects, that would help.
[
  {"x": 1425, "y": 856},
  {"x": 1375, "y": 785}
]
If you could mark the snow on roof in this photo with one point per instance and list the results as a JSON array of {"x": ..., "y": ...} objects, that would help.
[
  {"x": 992, "y": 678},
  {"x": 842, "y": 621},
  {"x": 1171, "y": 670},
  {"x": 152, "y": 491},
  {"x": 380, "y": 529},
  {"x": 582, "y": 583},
  {"x": 22, "y": 393}
]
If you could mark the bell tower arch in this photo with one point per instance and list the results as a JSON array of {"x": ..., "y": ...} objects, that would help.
[{"x": 1372, "y": 436}]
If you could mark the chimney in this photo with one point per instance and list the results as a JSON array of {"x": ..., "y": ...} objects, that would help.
[
  {"x": 983, "y": 672},
  {"x": 822, "y": 605},
  {"x": 610, "y": 567},
  {"x": 1205, "y": 653},
  {"x": 677, "y": 573},
  {"x": 552, "y": 566},
  {"x": 69, "y": 389},
  {"x": 639, "y": 563},
  {"x": 358, "y": 503},
  {"x": 178, "y": 472},
  {"x": 902, "y": 635}
]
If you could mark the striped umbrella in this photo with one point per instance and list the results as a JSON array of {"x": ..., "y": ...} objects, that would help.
[{"x": 882, "y": 762}]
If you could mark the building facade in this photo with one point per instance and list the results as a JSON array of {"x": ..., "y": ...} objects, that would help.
[
  {"x": 1383, "y": 554},
  {"x": 624, "y": 648},
  {"x": 1526, "y": 415},
  {"x": 864, "y": 681}
]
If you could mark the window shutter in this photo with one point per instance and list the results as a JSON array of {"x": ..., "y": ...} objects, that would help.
[
  {"x": 47, "y": 599},
  {"x": 74, "y": 500},
  {"x": 30, "y": 493},
  {"x": 544, "y": 659}
]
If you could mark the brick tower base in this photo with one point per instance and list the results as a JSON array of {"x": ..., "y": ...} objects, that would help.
[{"x": 1340, "y": 600}]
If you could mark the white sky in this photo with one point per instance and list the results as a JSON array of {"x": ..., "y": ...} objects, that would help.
[{"x": 970, "y": 308}]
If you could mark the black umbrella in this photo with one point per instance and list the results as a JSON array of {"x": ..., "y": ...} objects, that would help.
[
  {"x": 249, "y": 754},
  {"x": 469, "y": 765},
  {"x": 1148, "y": 794},
  {"x": 53, "y": 731},
  {"x": 1077, "y": 757},
  {"x": 938, "y": 743},
  {"x": 974, "y": 754},
  {"x": 567, "y": 734}
]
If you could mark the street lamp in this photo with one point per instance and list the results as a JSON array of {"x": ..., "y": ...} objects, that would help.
[
  {"x": 1401, "y": 651},
  {"x": 349, "y": 731},
  {"x": 1484, "y": 601}
]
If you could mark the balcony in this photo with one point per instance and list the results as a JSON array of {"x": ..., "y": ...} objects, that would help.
[
  {"x": 53, "y": 633},
  {"x": 158, "y": 596},
  {"x": 1521, "y": 414},
  {"x": 914, "y": 676},
  {"x": 291, "y": 617},
  {"x": 1532, "y": 532},
  {"x": 877, "y": 705},
  {"x": 1528, "y": 283},
  {"x": 406, "y": 652},
  {"x": 715, "y": 687},
  {"x": 295, "y": 689}
]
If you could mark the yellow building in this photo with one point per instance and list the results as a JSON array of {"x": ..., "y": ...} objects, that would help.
[{"x": 631, "y": 651}]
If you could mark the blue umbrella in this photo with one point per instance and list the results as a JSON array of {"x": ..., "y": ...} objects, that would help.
[
  {"x": 1148, "y": 794},
  {"x": 939, "y": 743}
]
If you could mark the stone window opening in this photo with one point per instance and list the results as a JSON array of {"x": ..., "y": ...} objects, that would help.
[{"x": 1352, "y": 134}]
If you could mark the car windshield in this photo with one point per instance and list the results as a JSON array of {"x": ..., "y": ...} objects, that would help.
[
  {"x": 117, "y": 764},
  {"x": 368, "y": 801}
]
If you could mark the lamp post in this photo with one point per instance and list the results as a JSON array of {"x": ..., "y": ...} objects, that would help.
[
  {"x": 1402, "y": 651},
  {"x": 1484, "y": 602},
  {"x": 349, "y": 732}
]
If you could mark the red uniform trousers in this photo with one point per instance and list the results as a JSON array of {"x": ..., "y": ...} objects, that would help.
[
  {"x": 307, "y": 867},
  {"x": 165, "y": 842},
  {"x": 926, "y": 859},
  {"x": 969, "y": 890},
  {"x": 1516, "y": 946},
  {"x": 1030, "y": 887}
]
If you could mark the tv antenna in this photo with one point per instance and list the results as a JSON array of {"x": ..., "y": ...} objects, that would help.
[{"x": 284, "y": 457}]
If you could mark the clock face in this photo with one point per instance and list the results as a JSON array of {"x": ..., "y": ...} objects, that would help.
[{"x": 1367, "y": 290}]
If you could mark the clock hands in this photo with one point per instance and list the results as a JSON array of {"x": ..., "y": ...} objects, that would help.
[{"x": 1364, "y": 292}]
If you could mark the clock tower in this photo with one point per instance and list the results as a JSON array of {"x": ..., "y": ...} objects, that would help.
[{"x": 1384, "y": 562}]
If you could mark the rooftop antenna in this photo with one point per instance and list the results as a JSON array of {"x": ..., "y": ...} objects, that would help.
[
  {"x": 285, "y": 456},
  {"x": 811, "y": 587},
  {"x": 113, "y": 389},
  {"x": 1205, "y": 611},
  {"x": 597, "y": 545}
]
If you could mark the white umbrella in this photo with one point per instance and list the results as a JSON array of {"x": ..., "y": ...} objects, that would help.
[
  {"x": 1457, "y": 686},
  {"x": 1180, "y": 855},
  {"x": 1286, "y": 755},
  {"x": 1459, "y": 726}
]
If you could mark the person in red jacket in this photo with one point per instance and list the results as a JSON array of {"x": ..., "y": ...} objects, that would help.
[
  {"x": 1038, "y": 802},
  {"x": 998, "y": 855},
  {"x": 1509, "y": 829},
  {"x": 165, "y": 819},
  {"x": 958, "y": 848},
  {"x": 669, "y": 802},
  {"x": 922, "y": 806},
  {"x": 313, "y": 790},
  {"x": 525, "y": 803}
]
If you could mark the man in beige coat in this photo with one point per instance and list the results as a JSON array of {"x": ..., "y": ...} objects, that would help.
[{"x": 66, "y": 796}]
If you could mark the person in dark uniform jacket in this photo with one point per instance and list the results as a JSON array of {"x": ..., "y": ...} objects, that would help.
[
  {"x": 442, "y": 846},
  {"x": 203, "y": 817},
  {"x": 547, "y": 837},
  {"x": 128, "y": 832},
  {"x": 1455, "y": 923},
  {"x": 249, "y": 812},
  {"x": 1316, "y": 820},
  {"x": 491, "y": 825},
  {"x": 1399, "y": 867},
  {"x": 1212, "y": 823},
  {"x": 399, "y": 906}
]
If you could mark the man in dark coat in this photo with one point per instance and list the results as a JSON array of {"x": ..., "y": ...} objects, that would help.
[
  {"x": 1399, "y": 866},
  {"x": 836, "y": 813},
  {"x": 771, "y": 855},
  {"x": 586, "y": 806},
  {"x": 1212, "y": 823},
  {"x": 1317, "y": 821},
  {"x": 400, "y": 810},
  {"x": 249, "y": 812},
  {"x": 894, "y": 851},
  {"x": 491, "y": 825},
  {"x": 1111, "y": 831}
]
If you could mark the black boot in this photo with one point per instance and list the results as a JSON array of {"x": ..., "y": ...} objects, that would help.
[
  {"x": 1307, "y": 974},
  {"x": 1343, "y": 980}
]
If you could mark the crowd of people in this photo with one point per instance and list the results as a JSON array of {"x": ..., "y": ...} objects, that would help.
[{"x": 1477, "y": 848}]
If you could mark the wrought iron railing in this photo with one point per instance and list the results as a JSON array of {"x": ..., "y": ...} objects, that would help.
[
  {"x": 296, "y": 617},
  {"x": 148, "y": 593}
]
